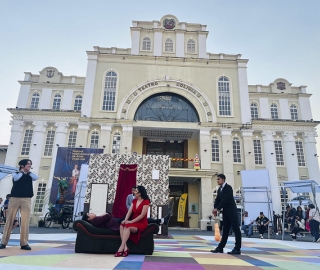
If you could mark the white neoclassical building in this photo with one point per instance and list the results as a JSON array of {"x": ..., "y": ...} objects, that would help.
[{"x": 167, "y": 95}]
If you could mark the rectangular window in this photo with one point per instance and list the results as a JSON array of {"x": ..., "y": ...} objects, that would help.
[
  {"x": 49, "y": 143},
  {"x": 38, "y": 203},
  {"x": 215, "y": 149},
  {"x": 116, "y": 144},
  {"x": 109, "y": 100},
  {"x": 257, "y": 152},
  {"x": 300, "y": 154},
  {"x": 279, "y": 152},
  {"x": 26, "y": 142},
  {"x": 236, "y": 151},
  {"x": 72, "y": 139}
]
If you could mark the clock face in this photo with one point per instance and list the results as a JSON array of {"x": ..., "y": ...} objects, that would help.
[{"x": 169, "y": 23}]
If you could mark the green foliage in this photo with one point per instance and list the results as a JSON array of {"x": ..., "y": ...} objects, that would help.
[{"x": 63, "y": 184}]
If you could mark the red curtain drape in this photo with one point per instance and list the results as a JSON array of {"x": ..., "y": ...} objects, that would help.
[{"x": 127, "y": 179}]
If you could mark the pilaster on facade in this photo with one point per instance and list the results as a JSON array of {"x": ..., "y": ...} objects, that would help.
[
  {"x": 180, "y": 43},
  {"x": 105, "y": 141},
  {"x": 15, "y": 143},
  {"x": 204, "y": 148},
  {"x": 206, "y": 201},
  {"x": 37, "y": 144},
  {"x": 227, "y": 154},
  {"x": 135, "y": 40},
  {"x": 290, "y": 155},
  {"x": 126, "y": 144},
  {"x": 311, "y": 155},
  {"x": 248, "y": 149},
  {"x": 89, "y": 83},
  {"x": 157, "y": 44},
  {"x": 82, "y": 136},
  {"x": 271, "y": 165},
  {"x": 244, "y": 92}
]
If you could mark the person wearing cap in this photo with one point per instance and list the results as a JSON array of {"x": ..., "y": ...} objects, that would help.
[
  {"x": 21, "y": 194},
  {"x": 262, "y": 222}
]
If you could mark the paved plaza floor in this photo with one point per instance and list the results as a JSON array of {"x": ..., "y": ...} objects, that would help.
[{"x": 185, "y": 250}]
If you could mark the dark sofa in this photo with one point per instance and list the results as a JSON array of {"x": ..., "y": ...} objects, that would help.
[{"x": 91, "y": 239}]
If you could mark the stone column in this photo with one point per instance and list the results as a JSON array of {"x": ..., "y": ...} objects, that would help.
[
  {"x": 37, "y": 144},
  {"x": 105, "y": 138},
  {"x": 206, "y": 201},
  {"x": 126, "y": 139},
  {"x": 15, "y": 143},
  {"x": 13, "y": 152},
  {"x": 290, "y": 155},
  {"x": 82, "y": 135},
  {"x": 271, "y": 165},
  {"x": 311, "y": 155},
  {"x": 248, "y": 149},
  {"x": 244, "y": 91},
  {"x": 205, "y": 148},
  {"x": 227, "y": 155},
  {"x": 60, "y": 141}
]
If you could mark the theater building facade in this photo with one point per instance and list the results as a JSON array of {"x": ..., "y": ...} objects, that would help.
[{"x": 167, "y": 95}]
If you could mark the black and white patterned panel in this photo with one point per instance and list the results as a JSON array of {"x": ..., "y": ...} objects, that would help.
[
  {"x": 158, "y": 190},
  {"x": 104, "y": 168}
]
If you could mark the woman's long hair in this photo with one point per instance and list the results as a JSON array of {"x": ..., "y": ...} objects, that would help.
[{"x": 143, "y": 192}]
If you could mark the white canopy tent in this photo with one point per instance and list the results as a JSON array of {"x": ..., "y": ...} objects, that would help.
[{"x": 299, "y": 186}]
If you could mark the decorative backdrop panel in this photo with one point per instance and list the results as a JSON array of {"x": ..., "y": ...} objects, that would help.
[{"x": 104, "y": 168}]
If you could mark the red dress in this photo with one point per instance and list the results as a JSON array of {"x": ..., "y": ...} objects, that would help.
[{"x": 141, "y": 224}]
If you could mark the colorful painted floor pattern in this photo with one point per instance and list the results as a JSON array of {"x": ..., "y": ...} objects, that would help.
[{"x": 56, "y": 251}]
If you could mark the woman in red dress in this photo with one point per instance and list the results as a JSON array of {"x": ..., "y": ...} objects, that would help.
[{"x": 138, "y": 223}]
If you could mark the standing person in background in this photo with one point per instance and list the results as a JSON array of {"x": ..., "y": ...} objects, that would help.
[
  {"x": 21, "y": 194},
  {"x": 5, "y": 207},
  {"x": 314, "y": 221},
  {"x": 1, "y": 211},
  {"x": 130, "y": 198},
  {"x": 226, "y": 201}
]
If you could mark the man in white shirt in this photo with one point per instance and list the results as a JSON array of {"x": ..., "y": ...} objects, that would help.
[{"x": 247, "y": 224}]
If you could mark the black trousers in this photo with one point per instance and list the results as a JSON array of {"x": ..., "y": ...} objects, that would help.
[
  {"x": 262, "y": 229},
  {"x": 227, "y": 224}
]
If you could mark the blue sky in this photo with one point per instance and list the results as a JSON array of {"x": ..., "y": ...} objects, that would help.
[{"x": 281, "y": 38}]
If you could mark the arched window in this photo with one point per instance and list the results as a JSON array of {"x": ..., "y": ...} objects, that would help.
[
  {"x": 254, "y": 110},
  {"x": 94, "y": 140},
  {"x": 35, "y": 101},
  {"x": 274, "y": 111},
  {"x": 77, "y": 103},
  {"x": 236, "y": 150},
  {"x": 166, "y": 107},
  {"x": 224, "y": 96},
  {"x": 168, "y": 46},
  {"x": 116, "y": 142},
  {"x": 191, "y": 46},
  {"x": 109, "y": 94},
  {"x": 146, "y": 44},
  {"x": 215, "y": 149},
  {"x": 56, "y": 102},
  {"x": 294, "y": 112}
]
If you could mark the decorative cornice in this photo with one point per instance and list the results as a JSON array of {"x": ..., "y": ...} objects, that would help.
[
  {"x": 282, "y": 128},
  {"x": 46, "y": 118}
]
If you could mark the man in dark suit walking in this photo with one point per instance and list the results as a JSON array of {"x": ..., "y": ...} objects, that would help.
[{"x": 226, "y": 202}]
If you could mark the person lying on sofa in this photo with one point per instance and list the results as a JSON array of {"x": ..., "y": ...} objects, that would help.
[
  {"x": 104, "y": 221},
  {"x": 107, "y": 221}
]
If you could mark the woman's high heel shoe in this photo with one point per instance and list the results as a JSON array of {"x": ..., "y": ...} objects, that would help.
[
  {"x": 119, "y": 254},
  {"x": 125, "y": 253}
]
